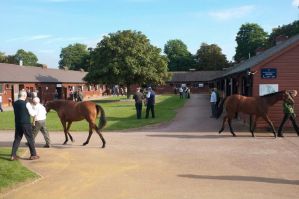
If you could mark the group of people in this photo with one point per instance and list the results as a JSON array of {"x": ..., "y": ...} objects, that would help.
[
  {"x": 24, "y": 109},
  {"x": 184, "y": 92},
  {"x": 288, "y": 109},
  {"x": 148, "y": 98}
]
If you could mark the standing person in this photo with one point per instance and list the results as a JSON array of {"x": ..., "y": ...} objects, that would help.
[
  {"x": 80, "y": 96},
  {"x": 181, "y": 92},
  {"x": 150, "y": 102},
  {"x": 289, "y": 113},
  {"x": 213, "y": 100},
  {"x": 22, "y": 111},
  {"x": 138, "y": 97},
  {"x": 1, "y": 103},
  {"x": 40, "y": 121}
]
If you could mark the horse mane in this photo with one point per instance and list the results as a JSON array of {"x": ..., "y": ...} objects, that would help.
[{"x": 272, "y": 94}]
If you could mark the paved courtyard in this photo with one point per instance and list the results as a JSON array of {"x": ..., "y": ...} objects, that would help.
[{"x": 182, "y": 159}]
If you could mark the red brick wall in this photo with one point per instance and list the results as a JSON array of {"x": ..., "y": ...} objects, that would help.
[{"x": 287, "y": 65}]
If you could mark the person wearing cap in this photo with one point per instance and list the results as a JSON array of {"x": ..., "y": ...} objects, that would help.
[
  {"x": 150, "y": 102},
  {"x": 39, "y": 121},
  {"x": 22, "y": 111},
  {"x": 289, "y": 113},
  {"x": 138, "y": 97}
]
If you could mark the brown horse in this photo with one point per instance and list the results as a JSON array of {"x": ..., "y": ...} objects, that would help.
[
  {"x": 70, "y": 111},
  {"x": 254, "y": 106}
]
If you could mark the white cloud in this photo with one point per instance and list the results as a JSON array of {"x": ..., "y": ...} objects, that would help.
[
  {"x": 295, "y": 3},
  {"x": 38, "y": 37},
  {"x": 29, "y": 38},
  {"x": 232, "y": 13}
]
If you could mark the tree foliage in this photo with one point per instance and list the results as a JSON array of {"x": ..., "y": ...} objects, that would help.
[
  {"x": 250, "y": 37},
  {"x": 210, "y": 57},
  {"x": 127, "y": 57},
  {"x": 288, "y": 30},
  {"x": 28, "y": 58},
  {"x": 180, "y": 59},
  {"x": 75, "y": 57}
]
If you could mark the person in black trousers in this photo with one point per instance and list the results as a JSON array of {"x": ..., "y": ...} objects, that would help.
[
  {"x": 22, "y": 111},
  {"x": 138, "y": 97},
  {"x": 289, "y": 113},
  {"x": 150, "y": 102}
]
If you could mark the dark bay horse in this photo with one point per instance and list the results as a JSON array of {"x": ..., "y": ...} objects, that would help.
[
  {"x": 70, "y": 111},
  {"x": 254, "y": 106}
]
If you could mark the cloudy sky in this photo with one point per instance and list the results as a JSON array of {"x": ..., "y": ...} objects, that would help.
[{"x": 46, "y": 26}]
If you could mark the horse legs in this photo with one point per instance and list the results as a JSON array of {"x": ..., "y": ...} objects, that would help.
[
  {"x": 270, "y": 123},
  {"x": 67, "y": 130},
  {"x": 253, "y": 120},
  {"x": 230, "y": 126},
  {"x": 223, "y": 122},
  {"x": 89, "y": 135},
  {"x": 94, "y": 126}
]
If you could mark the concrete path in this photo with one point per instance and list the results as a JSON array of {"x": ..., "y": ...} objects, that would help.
[{"x": 183, "y": 159}]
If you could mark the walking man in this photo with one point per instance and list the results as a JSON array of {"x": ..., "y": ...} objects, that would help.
[
  {"x": 289, "y": 113},
  {"x": 22, "y": 111},
  {"x": 138, "y": 97},
  {"x": 150, "y": 102},
  {"x": 40, "y": 121}
]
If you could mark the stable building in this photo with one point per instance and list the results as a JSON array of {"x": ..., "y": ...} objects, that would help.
[
  {"x": 48, "y": 83},
  {"x": 271, "y": 70}
]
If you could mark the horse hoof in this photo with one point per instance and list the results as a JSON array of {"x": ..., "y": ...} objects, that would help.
[
  {"x": 220, "y": 131},
  {"x": 84, "y": 144},
  {"x": 234, "y": 135}
]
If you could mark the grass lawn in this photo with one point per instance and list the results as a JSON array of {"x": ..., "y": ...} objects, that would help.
[
  {"x": 120, "y": 114},
  {"x": 12, "y": 172}
]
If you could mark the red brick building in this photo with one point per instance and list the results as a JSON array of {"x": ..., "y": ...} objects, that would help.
[
  {"x": 47, "y": 83},
  {"x": 274, "y": 69}
]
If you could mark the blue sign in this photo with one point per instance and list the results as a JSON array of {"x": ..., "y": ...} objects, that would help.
[{"x": 268, "y": 73}]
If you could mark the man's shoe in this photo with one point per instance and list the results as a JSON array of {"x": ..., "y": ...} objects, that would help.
[
  {"x": 34, "y": 157},
  {"x": 46, "y": 146},
  {"x": 280, "y": 135},
  {"x": 12, "y": 158}
]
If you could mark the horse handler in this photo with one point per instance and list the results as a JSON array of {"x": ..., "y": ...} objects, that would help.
[
  {"x": 39, "y": 121},
  {"x": 289, "y": 113}
]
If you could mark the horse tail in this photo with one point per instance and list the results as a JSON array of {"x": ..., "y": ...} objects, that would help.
[
  {"x": 220, "y": 108},
  {"x": 102, "y": 121}
]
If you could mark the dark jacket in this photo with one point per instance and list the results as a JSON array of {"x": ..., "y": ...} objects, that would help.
[
  {"x": 138, "y": 97},
  {"x": 151, "y": 99},
  {"x": 21, "y": 113}
]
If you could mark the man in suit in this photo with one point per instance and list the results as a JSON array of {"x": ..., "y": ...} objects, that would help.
[{"x": 23, "y": 110}]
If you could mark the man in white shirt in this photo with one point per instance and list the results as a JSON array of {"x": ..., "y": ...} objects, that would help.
[
  {"x": 1, "y": 103},
  {"x": 213, "y": 101},
  {"x": 40, "y": 121}
]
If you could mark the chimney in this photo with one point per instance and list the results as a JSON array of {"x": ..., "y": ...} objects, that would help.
[
  {"x": 259, "y": 50},
  {"x": 280, "y": 38},
  {"x": 21, "y": 62},
  {"x": 44, "y": 66}
]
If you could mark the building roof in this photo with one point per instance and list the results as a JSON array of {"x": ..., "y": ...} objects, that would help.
[
  {"x": 194, "y": 76},
  {"x": 17, "y": 73},
  {"x": 253, "y": 61}
]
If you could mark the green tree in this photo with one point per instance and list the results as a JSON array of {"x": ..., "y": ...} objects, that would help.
[
  {"x": 74, "y": 57},
  {"x": 28, "y": 58},
  {"x": 2, "y": 57},
  {"x": 127, "y": 57},
  {"x": 288, "y": 30},
  {"x": 180, "y": 59},
  {"x": 210, "y": 57},
  {"x": 250, "y": 37}
]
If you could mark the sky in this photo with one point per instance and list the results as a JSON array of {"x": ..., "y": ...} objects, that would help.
[{"x": 44, "y": 27}]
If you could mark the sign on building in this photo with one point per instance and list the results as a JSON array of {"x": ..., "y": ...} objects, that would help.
[
  {"x": 268, "y": 73},
  {"x": 265, "y": 89}
]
